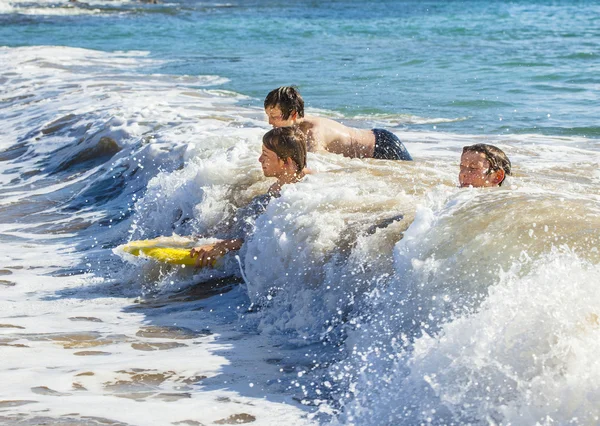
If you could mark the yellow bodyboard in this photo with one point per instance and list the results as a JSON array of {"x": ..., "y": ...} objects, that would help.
[
  {"x": 174, "y": 250},
  {"x": 175, "y": 256}
]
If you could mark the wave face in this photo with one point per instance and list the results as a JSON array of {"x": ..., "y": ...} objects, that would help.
[
  {"x": 486, "y": 319},
  {"x": 478, "y": 306}
]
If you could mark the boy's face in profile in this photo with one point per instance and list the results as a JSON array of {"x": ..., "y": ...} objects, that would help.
[
  {"x": 271, "y": 164},
  {"x": 475, "y": 171},
  {"x": 275, "y": 117}
]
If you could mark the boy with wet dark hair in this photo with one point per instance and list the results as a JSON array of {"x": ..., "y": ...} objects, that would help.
[
  {"x": 285, "y": 107},
  {"x": 283, "y": 157},
  {"x": 289, "y": 101},
  {"x": 483, "y": 165}
]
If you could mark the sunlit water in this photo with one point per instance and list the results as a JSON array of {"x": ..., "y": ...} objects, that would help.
[{"x": 479, "y": 306}]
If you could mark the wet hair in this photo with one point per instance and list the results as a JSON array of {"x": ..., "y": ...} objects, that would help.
[
  {"x": 288, "y": 99},
  {"x": 497, "y": 158},
  {"x": 287, "y": 142}
]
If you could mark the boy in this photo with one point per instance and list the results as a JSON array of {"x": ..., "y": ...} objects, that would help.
[
  {"x": 283, "y": 157},
  {"x": 285, "y": 107},
  {"x": 482, "y": 166}
]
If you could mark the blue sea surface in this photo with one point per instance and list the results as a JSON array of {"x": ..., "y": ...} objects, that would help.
[{"x": 484, "y": 67}]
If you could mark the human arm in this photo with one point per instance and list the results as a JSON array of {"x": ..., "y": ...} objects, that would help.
[
  {"x": 209, "y": 253},
  {"x": 384, "y": 224}
]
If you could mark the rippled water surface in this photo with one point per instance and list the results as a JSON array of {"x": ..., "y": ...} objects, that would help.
[{"x": 474, "y": 66}]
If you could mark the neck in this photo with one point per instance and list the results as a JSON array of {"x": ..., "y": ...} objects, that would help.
[
  {"x": 284, "y": 179},
  {"x": 288, "y": 177}
]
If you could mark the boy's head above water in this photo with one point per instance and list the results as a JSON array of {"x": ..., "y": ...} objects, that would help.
[
  {"x": 284, "y": 106},
  {"x": 283, "y": 152},
  {"x": 483, "y": 165}
]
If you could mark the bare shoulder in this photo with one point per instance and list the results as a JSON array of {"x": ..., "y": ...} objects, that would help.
[
  {"x": 311, "y": 128},
  {"x": 326, "y": 130},
  {"x": 329, "y": 135},
  {"x": 318, "y": 123}
]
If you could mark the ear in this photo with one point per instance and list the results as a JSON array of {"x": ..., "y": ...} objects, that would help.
[
  {"x": 289, "y": 162},
  {"x": 294, "y": 115},
  {"x": 498, "y": 177}
]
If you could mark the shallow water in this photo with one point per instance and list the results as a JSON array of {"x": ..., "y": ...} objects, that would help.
[{"x": 479, "y": 306}]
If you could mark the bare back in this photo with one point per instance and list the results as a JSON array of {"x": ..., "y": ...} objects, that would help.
[{"x": 324, "y": 134}]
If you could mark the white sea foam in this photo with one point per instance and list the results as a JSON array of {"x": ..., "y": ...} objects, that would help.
[
  {"x": 63, "y": 8},
  {"x": 460, "y": 334},
  {"x": 6, "y": 7},
  {"x": 405, "y": 119},
  {"x": 526, "y": 355}
]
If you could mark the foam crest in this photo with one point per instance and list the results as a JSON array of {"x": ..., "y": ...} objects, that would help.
[
  {"x": 470, "y": 260},
  {"x": 514, "y": 360},
  {"x": 312, "y": 253},
  {"x": 393, "y": 120},
  {"x": 120, "y": 129},
  {"x": 54, "y": 8},
  {"x": 6, "y": 7},
  {"x": 525, "y": 347},
  {"x": 204, "y": 193}
]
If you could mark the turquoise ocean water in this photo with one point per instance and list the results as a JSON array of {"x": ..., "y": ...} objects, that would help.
[
  {"x": 123, "y": 120},
  {"x": 488, "y": 67}
]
